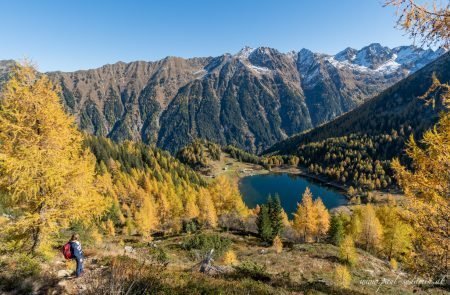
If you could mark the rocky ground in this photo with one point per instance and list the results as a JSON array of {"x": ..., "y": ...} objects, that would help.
[{"x": 302, "y": 265}]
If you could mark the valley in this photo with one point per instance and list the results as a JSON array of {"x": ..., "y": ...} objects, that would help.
[
  {"x": 175, "y": 209},
  {"x": 185, "y": 169}
]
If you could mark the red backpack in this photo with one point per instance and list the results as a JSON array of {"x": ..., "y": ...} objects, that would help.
[{"x": 66, "y": 251}]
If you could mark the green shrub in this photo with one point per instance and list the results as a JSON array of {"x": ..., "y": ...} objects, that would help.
[
  {"x": 252, "y": 270},
  {"x": 24, "y": 266},
  {"x": 18, "y": 272},
  {"x": 203, "y": 243},
  {"x": 191, "y": 225},
  {"x": 160, "y": 256}
]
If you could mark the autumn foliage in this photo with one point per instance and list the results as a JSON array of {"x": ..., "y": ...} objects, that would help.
[{"x": 47, "y": 180}]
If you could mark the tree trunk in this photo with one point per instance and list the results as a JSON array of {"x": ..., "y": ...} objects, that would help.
[
  {"x": 206, "y": 262},
  {"x": 37, "y": 230},
  {"x": 36, "y": 236}
]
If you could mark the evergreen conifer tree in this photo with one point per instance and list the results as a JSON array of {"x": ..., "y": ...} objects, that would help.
[
  {"x": 276, "y": 215},
  {"x": 264, "y": 224}
]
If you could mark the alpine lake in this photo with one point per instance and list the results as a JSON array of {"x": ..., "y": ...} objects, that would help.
[{"x": 255, "y": 190}]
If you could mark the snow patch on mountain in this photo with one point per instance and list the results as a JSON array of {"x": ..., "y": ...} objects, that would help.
[
  {"x": 259, "y": 69},
  {"x": 345, "y": 64},
  {"x": 390, "y": 66}
]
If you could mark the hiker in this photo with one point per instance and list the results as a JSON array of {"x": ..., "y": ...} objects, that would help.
[{"x": 77, "y": 253}]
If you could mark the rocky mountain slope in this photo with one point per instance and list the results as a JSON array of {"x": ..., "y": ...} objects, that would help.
[
  {"x": 356, "y": 149},
  {"x": 251, "y": 99},
  {"x": 399, "y": 106}
]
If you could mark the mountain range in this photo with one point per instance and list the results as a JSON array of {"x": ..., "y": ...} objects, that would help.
[
  {"x": 401, "y": 106},
  {"x": 251, "y": 99},
  {"x": 357, "y": 148}
]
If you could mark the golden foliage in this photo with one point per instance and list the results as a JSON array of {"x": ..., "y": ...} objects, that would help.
[
  {"x": 109, "y": 228},
  {"x": 230, "y": 258},
  {"x": 371, "y": 229},
  {"x": 208, "y": 214},
  {"x": 47, "y": 179},
  {"x": 305, "y": 219},
  {"x": 342, "y": 276},
  {"x": 146, "y": 218},
  {"x": 226, "y": 197},
  {"x": 323, "y": 218},
  {"x": 347, "y": 251},
  {"x": 428, "y": 23},
  {"x": 427, "y": 189},
  {"x": 312, "y": 219},
  {"x": 277, "y": 245},
  {"x": 397, "y": 235},
  {"x": 394, "y": 264}
]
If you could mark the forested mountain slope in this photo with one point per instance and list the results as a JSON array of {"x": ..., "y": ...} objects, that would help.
[
  {"x": 251, "y": 99},
  {"x": 357, "y": 147}
]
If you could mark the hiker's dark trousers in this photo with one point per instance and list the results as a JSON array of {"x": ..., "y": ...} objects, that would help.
[{"x": 79, "y": 270}]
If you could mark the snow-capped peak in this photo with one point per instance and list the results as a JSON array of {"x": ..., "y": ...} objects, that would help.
[
  {"x": 383, "y": 60},
  {"x": 245, "y": 52},
  {"x": 346, "y": 54}
]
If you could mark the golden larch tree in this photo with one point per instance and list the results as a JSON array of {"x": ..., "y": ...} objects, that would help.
[
  {"x": 191, "y": 209},
  {"x": 227, "y": 198},
  {"x": 323, "y": 218},
  {"x": 277, "y": 244},
  {"x": 347, "y": 250},
  {"x": 426, "y": 21},
  {"x": 371, "y": 229},
  {"x": 427, "y": 189},
  {"x": 305, "y": 219},
  {"x": 47, "y": 180},
  {"x": 397, "y": 235},
  {"x": 146, "y": 218},
  {"x": 208, "y": 214},
  {"x": 342, "y": 276}
]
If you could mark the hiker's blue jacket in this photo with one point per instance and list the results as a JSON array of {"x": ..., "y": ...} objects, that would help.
[{"x": 75, "y": 248}]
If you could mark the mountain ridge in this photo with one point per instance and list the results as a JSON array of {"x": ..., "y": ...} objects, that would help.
[
  {"x": 251, "y": 99},
  {"x": 425, "y": 74}
]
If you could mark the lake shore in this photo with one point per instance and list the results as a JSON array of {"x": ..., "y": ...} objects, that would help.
[
  {"x": 304, "y": 173},
  {"x": 235, "y": 170}
]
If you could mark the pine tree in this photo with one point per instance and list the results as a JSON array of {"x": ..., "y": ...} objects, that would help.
[
  {"x": 275, "y": 213},
  {"x": 337, "y": 230},
  {"x": 47, "y": 179},
  {"x": 264, "y": 224},
  {"x": 347, "y": 251}
]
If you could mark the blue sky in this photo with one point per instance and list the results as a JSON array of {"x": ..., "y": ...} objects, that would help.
[{"x": 82, "y": 34}]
